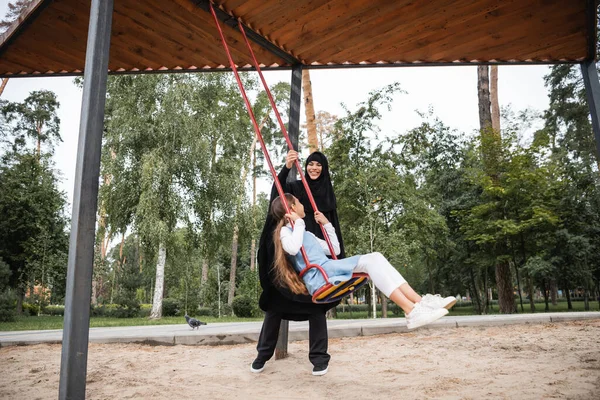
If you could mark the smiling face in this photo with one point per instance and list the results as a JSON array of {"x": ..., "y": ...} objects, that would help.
[
  {"x": 314, "y": 169},
  {"x": 298, "y": 208}
]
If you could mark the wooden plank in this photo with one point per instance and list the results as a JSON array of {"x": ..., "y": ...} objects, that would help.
[
  {"x": 205, "y": 26},
  {"x": 342, "y": 32},
  {"x": 505, "y": 26},
  {"x": 193, "y": 26},
  {"x": 158, "y": 48},
  {"x": 336, "y": 16},
  {"x": 421, "y": 47},
  {"x": 414, "y": 26},
  {"x": 281, "y": 15},
  {"x": 508, "y": 38},
  {"x": 122, "y": 53},
  {"x": 9, "y": 66}
]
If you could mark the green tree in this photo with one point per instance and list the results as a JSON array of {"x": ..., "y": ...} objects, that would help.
[
  {"x": 172, "y": 152},
  {"x": 33, "y": 227},
  {"x": 34, "y": 118}
]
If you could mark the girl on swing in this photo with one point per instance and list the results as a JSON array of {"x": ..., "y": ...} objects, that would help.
[{"x": 419, "y": 310}]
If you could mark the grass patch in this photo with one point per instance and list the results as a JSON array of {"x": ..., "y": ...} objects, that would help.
[{"x": 46, "y": 322}]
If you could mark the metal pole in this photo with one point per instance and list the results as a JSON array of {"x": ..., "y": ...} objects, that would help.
[
  {"x": 592, "y": 91},
  {"x": 73, "y": 367},
  {"x": 281, "y": 350},
  {"x": 294, "y": 117}
]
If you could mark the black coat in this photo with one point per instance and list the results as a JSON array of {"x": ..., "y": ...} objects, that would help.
[{"x": 295, "y": 307}]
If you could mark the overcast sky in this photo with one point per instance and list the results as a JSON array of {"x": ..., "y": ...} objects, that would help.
[{"x": 451, "y": 91}]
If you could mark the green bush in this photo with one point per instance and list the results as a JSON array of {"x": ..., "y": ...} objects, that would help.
[
  {"x": 129, "y": 310},
  {"x": 103, "y": 310},
  {"x": 243, "y": 306},
  {"x": 145, "y": 310},
  {"x": 8, "y": 307},
  {"x": 170, "y": 307},
  {"x": 31, "y": 309},
  {"x": 204, "y": 312},
  {"x": 54, "y": 310},
  {"x": 225, "y": 310}
]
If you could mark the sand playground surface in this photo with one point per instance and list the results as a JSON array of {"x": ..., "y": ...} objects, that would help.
[{"x": 543, "y": 361}]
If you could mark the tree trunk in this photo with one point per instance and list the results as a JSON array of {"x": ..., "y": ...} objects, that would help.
[
  {"x": 232, "y": 270},
  {"x": 204, "y": 271},
  {"x": 253, "y": 242},
  {"x": 4, "y": 82},
  {"x": 94, "y": 299},
  {"x": 20, "y": 296},
  {"x": 506, "y": 298},
  {"x": 545, "y": 289},
  {"x": 518, "y": 282},
  {"x": 483, "y": 94},
  {"x": 495, "y": 109},
  {"x": 554, "y": 292},
  {"x": 531, "y": 290},
  {"x": 430, "y": 277},
  {"x": 568, "y": 293},
  {"x": 160, "y": 279},
  {"x": 486, "y": 293},
  {"x": 384, "y": 304},
  {"x": 309, "y": 108},
  {"x": 369, "y": 300}
]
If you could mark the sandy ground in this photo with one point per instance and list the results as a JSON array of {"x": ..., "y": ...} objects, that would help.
[{"x": 559, "y": 360}]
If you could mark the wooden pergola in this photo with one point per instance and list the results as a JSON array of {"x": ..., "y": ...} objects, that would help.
[{"x": 94, "y": 38}]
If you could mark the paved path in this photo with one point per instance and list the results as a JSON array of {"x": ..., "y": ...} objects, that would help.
[{"x": 247, "y": 332}]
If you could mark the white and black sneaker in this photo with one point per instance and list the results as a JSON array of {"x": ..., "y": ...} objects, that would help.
[
  {"x": 422, "y": 315},
  {"x": 437, "y": 301},
  {"x": 320, "y": 369},
  {"x": 257, "y": 366}
]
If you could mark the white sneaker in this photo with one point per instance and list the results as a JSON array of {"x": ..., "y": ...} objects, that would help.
[
  {"x": 438, "y": 301},
  {"x": 423, "y": 315}
]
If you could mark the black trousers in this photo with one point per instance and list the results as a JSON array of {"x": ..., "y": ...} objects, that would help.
[{"x": 317, "y": 338}]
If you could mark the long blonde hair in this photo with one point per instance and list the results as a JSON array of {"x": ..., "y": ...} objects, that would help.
[{"x": 285, "y": 274}]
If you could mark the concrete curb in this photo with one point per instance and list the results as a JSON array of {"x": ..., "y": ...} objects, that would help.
[{"x": 247, "y": 332}]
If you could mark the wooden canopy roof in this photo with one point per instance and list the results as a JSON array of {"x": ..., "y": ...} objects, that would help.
[{"x": 179, "y": 35}]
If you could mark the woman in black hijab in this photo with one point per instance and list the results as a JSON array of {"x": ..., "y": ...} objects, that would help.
[{"x": 279, "y": 302}]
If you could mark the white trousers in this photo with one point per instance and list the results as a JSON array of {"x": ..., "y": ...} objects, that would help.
[{"x": 384, "y": 276}]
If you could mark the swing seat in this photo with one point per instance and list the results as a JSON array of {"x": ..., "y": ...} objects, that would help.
[{"x": 329, "y": 292}]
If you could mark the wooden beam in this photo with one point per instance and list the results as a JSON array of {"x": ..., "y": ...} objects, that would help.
[{"x": 251, "y": 33}]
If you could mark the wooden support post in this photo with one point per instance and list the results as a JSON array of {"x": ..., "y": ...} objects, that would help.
[
  {"x": 73, "y": 365},
  {"x": 592, "y": 91},
  {"x": 294, "y": 133}
]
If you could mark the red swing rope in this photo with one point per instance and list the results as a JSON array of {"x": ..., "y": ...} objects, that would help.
[
  {"x": 287, "y": 138},
  {"x": 260, "y": 137}
]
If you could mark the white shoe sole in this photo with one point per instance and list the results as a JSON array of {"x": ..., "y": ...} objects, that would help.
[
  {"x": 449, "y": 305},
  {"x": 256, "y": 371},
  {"x": 319, "y": 373},
  {"x": 433, "y": 316}
]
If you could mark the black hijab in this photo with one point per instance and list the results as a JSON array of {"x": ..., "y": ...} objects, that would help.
[{"x": 321, "y": 188}]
